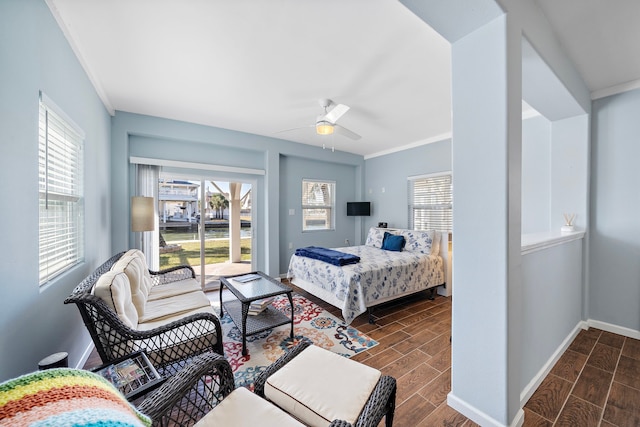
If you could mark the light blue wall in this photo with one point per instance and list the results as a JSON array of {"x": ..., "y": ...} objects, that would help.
[
  {"x": 536, "y": 174},
  {"x": 552, "y": 278},
  {"x": 35, "y": 56},
  {"x": 386, "y": 181},
  {"x": 292, "y": 170},
  {"x": 570, "y": 171},
  {"x": 614, "y": 262},
  {"x": 158, "y": 138}
]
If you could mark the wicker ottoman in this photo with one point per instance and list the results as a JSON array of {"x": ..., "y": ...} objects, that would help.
[
  {"x": 244, "y": 409},
  {"x": 318, "y": 386}
]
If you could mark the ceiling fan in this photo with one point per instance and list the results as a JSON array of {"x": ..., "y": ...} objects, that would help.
[{"x": 326, "y": 123}]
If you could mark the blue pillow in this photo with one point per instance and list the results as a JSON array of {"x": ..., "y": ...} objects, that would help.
[{"x": 391, "y": 242}]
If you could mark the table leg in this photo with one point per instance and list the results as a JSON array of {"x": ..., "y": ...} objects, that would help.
[
  {"x": 291, "y": 303},
  {"x": 221, "y": 307},
  {"x": 245, "y": 312}
]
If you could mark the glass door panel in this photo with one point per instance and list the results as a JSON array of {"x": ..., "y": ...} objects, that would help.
[{"x": 206, "y": 224}]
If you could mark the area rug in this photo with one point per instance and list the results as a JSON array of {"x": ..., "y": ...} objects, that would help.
[{"x": 310, "y": 321}]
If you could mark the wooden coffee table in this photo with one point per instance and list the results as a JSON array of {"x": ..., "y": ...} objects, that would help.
[{"x": 246, "y": 293}]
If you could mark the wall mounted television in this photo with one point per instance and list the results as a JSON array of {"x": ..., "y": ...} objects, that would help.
[{"x": 358, "y": 208}]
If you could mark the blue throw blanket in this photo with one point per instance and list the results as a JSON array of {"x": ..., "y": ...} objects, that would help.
[{"x": 328, "y": 255}]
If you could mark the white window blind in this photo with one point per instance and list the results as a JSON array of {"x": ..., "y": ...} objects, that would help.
[
  {"x": 61, "y": 192},
  {"x": 318, "y": 199},
  {"x": 431, "y": 202}
]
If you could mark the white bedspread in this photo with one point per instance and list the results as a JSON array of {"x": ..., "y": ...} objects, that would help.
[{"x": 379, "y": 276}]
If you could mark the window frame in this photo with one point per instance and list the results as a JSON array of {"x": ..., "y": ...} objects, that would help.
[
  {"x": 443, "y": 207},
  {"x": 61, "y": 195},
  {"x": 331, "y": 217}
]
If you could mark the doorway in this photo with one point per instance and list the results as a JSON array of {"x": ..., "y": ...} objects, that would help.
[{"x": 206, "y": 223}]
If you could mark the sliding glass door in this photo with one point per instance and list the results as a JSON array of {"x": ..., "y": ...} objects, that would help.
[{"x": 207, "y": 224}]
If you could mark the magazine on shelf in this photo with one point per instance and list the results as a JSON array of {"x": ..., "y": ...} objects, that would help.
[
  {"x": 260, "y": 305},
  {"x": 132, "y": 374},
  {"x": 247, "y": 278}
]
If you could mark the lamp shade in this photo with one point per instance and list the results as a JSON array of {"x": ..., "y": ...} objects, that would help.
[{"x": 142, "y": 214}]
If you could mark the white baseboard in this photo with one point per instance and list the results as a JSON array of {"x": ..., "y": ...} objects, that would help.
[
  {"x": 480, "y": 417},
  {"x": 620, "y": 330},
  {"x": 535, "y": 382},
  {"x": 85, "y": 356}
]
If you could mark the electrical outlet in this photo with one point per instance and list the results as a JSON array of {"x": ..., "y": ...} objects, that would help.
[{"x": 290, "y": 245}]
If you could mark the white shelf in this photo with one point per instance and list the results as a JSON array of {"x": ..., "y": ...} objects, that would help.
[{"x": 539, "y": 241}]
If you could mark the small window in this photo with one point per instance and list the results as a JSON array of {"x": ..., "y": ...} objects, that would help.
[
  {"x": 61, "y": 192},
  {"x": 318, "y": 200},
  {"x": 431, "y": 202}
]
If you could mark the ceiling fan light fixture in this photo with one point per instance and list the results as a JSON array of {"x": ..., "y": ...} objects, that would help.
[{"x": 324, "y": 128}]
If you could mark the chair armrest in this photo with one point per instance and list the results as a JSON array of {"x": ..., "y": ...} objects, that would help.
[
  {"x": 172, "y": 274},
  {"x": 190, "y": 394},
  {"x": 282, "y": 360}
]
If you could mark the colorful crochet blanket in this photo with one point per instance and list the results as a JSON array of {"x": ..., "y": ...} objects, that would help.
[{"x": 65, "y": 397}]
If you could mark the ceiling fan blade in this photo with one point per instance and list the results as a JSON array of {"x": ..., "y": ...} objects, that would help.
[
  {"x": 335, "y": 113},
  {"x": 298, "y": 128},
  {"x": 346, "y": 132}
]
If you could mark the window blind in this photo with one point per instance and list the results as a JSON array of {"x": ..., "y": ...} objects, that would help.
[
  {"x": 431, "y": 202},
  {"x": 61, "y": 193},
  {"x": 318, "y": 199}
]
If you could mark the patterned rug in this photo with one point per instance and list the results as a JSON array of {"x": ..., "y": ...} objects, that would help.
[{"x": 310, "y": 321}]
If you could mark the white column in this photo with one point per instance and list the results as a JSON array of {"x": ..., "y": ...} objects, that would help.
[
  {"x": 486, "y": 157},
  {"x": 235, "y": 190}
]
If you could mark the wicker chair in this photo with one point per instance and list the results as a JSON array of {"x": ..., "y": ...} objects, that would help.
[
  {"x": 66, "y": 396},
  {"x": 169, "y": 347},
  {"x": 190, "y": 394},
  {"x": 381, "y": 402}
]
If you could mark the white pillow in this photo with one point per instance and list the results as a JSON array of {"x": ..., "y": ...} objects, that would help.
[
  {"x": 418, "y": 241},
  {"x": 114, "y": 289},
  {"x": 375, "y": 236}
]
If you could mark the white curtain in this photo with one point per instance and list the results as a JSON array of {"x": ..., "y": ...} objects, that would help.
[{"x": 147, "y": 185}]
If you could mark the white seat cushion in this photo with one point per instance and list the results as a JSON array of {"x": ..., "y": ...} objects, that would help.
[
  {"x": 245, "y": 409},
  {"x": 171, "y": 289},
  {"x": 177, "y": 304},
  {"x": 114, "y": 289},
  {"x": 319, "y": 386},
  {"x": 156, "y": 323}
]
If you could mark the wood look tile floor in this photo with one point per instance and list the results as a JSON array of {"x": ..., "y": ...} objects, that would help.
[{"x": 595, "y": 383}]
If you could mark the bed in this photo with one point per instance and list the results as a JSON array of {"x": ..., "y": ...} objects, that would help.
[{"x": 380, "y": 276}]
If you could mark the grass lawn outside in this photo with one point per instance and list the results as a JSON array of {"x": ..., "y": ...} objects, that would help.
[{"x": 216, "y": 252}]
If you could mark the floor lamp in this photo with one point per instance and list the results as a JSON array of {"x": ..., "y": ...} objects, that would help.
[{"x": 142, "y": 215}]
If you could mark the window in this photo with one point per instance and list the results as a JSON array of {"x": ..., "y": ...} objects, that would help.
[
  {"x": 61, "y": 205},
  {"x": 431, "y": 202},
  {"x": 318, "y": 199}
]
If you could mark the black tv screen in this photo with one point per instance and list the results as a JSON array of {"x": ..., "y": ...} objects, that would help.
[{"x": 358, "y": 208}]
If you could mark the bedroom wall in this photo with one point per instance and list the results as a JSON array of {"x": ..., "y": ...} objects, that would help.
[
  {"x": 536, "y": 174},
  {"x": 386, "y": 181},
  {"x": 292, "y": 170},
  {"x": 154, "y": 137},
  {"x": 34, "y": 322},
  {"x": 614, "y": 267}
]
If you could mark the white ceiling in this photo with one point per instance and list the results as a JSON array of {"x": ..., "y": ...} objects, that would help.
[
  {"x": 602, "y": 38},
  {"x": 260, "y": 67}
]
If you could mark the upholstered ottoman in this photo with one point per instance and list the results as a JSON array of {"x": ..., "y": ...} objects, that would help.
[
  {"x": 244, "y": 409},
  {"x": 318, "y": 386}
]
